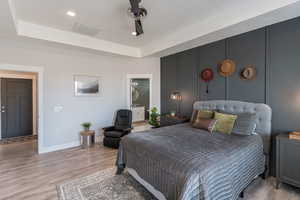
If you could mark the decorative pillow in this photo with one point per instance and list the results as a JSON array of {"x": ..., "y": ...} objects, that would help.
[
  {"x": 225, "y": 122},
  {"x": 245, "y": 123},
  {"x": 205, "y": 124},
  {"x": 203, "y": 114}
]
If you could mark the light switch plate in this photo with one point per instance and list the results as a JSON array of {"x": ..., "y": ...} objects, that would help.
[{"x": 58, "y": 109}]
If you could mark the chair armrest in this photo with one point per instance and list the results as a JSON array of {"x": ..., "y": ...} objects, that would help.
[{"x": 109, "y": 128}]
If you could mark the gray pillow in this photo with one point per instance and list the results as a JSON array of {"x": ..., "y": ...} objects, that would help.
[{"x": 245, "y": 124}]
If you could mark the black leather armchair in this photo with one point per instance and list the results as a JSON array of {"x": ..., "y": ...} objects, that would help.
[{"x": 122, "y": 127}]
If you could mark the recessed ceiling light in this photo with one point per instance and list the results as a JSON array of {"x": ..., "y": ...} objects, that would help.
[
  {"x": 134, "y": 33},
  {"x": 71, "y": 13}
]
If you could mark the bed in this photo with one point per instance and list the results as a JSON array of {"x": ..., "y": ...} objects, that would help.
[{"x": 183, "y": 163}]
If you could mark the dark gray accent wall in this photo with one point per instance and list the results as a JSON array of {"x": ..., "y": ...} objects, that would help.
[
  {"x": 285, "y": 75},
  {"x": 168, "y": 82},
  {"x": 185, "y": 67},
  {"x": 247, "y": 49},
  {"x": 181, "y": 72},
  {"x": 273, "y": 50},
  {"x": 208, "y": 56}
]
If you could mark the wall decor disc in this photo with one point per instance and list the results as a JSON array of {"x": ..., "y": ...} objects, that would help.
[
  {"x": 207, "y": 75},
  {"x": 226, "y": 67},
  {"x": 248, "y": 73}
]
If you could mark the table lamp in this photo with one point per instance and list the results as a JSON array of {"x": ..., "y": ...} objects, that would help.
[{"x": 176, "y": 96}]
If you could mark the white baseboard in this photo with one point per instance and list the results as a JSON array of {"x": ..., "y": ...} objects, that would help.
[{"x": 59, "y": 147}]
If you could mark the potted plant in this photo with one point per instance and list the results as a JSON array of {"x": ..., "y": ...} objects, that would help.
[
  {"x": 154, "y": 115},
  {"x": 86, "y": 126}
]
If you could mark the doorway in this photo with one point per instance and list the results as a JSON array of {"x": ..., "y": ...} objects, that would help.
[
  {"x": 139, "y": 96},
  {"x": 18, "y": 107}
]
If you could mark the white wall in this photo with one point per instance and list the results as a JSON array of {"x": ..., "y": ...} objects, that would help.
[{"x": 60, "y": 64}]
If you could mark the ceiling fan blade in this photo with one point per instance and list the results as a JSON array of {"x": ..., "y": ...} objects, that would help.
[
  {"x": 135, "y": 6},
  {"x": 138, "y": 27}
]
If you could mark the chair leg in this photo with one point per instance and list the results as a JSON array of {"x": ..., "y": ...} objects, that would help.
[
  {"x": 242, "y": 194},
  {"x": 120, "y": 169}
]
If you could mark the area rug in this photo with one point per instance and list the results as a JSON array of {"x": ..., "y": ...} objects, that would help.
[{"x": 104, "y": 185}]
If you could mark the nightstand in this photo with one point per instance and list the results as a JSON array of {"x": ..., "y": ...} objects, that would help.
[
  {"x": 287, "y": 160},
  {"x": 168, "y": 120}
]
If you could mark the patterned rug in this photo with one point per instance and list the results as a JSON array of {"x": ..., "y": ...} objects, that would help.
[{"x": 104, "y": 185}]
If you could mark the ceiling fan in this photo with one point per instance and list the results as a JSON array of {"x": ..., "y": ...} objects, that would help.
[{"x": 137, "y": 13}]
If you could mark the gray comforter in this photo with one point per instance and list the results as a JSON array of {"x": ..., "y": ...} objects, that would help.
[{"x": 185, "y": 163}]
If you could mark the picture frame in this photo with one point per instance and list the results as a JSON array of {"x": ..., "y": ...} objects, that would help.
[{"x": 87, "y": 86}]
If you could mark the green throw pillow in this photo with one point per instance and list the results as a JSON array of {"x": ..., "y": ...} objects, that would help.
[
  {"x": 205, "y": 114},
  {"x": 225, "y": 122}
]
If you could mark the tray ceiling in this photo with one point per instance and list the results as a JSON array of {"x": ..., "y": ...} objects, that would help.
[{"x": 170, "y": 25}]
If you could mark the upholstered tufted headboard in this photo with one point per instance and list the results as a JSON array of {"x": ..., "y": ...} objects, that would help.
[{"x": 263, "y": 112}]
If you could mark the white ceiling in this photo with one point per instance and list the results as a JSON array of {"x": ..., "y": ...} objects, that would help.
[
  {"x": 111, "y": 18},
  {"x": 169, "y": 24}
]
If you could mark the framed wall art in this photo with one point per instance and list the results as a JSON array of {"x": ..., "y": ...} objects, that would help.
[{"x": 87, "y": 85}]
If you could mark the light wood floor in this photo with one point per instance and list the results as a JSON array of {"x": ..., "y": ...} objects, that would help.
[{"x": 24, "y": 175}]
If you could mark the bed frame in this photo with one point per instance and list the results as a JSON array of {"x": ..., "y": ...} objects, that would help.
[{"x": 263, "y": 128}]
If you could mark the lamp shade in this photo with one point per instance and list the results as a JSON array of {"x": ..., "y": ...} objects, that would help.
[{"x": 176, "y": 96}]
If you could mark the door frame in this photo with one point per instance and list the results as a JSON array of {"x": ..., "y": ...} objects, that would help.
[
  {"x": 128, "y": 93},
  {"x": 40, "y": 97}
]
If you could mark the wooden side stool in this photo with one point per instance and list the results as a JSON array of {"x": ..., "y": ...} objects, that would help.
[{"x": 87, "y": 138}]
